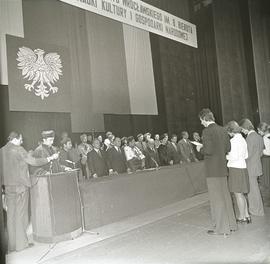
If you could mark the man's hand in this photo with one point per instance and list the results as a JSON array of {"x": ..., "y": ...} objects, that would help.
[
  {"x": 55, "y": 156},
  {"x": 67, "y": 168}
]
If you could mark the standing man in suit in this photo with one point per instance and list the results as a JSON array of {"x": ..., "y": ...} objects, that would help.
[
  {"x": 96, "y": 160},
  {"x": 173, "y": 151},
  {"x": 163, "y": 151},
  {"x": 186, "y": 149},
  {"x": 116, "y": 158},
  {"x": 151, "y": 155},
  {"x": 216, "y": 144},
  {"x": 254, "y": 165}
]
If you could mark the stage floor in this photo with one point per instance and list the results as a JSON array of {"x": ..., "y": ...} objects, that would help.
[{"x": 174, "y": 234}]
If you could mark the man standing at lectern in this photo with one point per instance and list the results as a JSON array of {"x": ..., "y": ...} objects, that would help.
[
  {"x": 216, "y": 144},
  {"x": 14, "y": 174}
]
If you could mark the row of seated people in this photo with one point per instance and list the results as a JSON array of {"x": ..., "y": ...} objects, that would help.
[{"x": 113, "y": 156}]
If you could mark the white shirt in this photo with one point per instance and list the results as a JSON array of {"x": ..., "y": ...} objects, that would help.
[
  {"x": 266, "y": 140},
  {"x": 239, "y": 152},
  {"x": 133, "y": 153}
]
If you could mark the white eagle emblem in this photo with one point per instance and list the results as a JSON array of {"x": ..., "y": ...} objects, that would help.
[{"x": 43, "y": 70}]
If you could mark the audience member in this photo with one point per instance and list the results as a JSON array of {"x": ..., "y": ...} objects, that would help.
[
  {"x": 238, "y": 175},
  {"x": 107, "y": 141},
  {"x": 157, "y": 141},
  {"x": 14, "y": 161},
  {"x": 116, "y": 158},
  {"x": 89, "y": 139},
  {"x": 151, "y": 155},
  {"x": 64, "y": 135},
  {"x": 135, "y": 158},
  {"x": 186, "y": 149},
  {"x": 123, "y": 142},
  {"x": 196, "y": 149},
  {"x": 163, "y": 150},
  {"x": 174, "y": 151},
  {"x": 140, "y": 143},
  {"x": 100, "y": 138},
  {"x": 84, "y": 148},
  {"x": 96, "y": 160},
  {"x": 255, "y": 151},
  {"x": 216, "y": 144}
]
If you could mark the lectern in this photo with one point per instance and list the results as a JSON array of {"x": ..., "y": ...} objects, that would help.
[{"x": 56, "y": 207}]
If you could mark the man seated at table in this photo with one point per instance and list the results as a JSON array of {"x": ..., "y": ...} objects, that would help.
[
  {"x": 45, "y": 150},
  {"x": 116, "y": 158},
  {"x": 135, "y": 158},
  {"x": 174, "y": 151},
  {"x": 68, "y": 155},
  {"x": 96, "y": 160},
  {"x": 186, "y": 149},
  {"x": 151, "y": 155}
]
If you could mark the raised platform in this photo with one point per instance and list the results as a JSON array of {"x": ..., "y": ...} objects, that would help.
[{"x": 109, "y": 199}]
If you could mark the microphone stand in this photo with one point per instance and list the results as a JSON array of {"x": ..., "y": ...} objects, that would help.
[{"x": 156, "y": 164}]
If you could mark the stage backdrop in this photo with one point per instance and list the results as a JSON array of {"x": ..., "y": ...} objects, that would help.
[{"x": 39, "y": 76}]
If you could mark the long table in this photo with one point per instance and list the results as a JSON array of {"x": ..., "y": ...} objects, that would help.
[{"x": 109, "y": 199}]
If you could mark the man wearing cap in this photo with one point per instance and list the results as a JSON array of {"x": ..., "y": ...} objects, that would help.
[
  {"x": 14, "y": 173},
  {"x": 44, "y": 150}
]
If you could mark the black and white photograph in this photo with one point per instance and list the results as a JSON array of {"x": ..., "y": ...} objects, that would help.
[{"x": 135, "y": 131}]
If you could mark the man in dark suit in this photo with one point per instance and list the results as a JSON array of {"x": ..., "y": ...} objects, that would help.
[
  {"x": 174, "y": 151},
  {"x": 96, "y": 160},
  {"x": 216, "y": 144},
  {"x": 151, "y": 155},
  {"x": 116, "y": 159},
  {"x": 163, "y": 151},
  {"x": 186, "y": 148},
  {"x": 254, "y": 166}
]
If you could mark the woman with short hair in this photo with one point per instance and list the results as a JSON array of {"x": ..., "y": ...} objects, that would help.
[{"x": 238, "y": 175}]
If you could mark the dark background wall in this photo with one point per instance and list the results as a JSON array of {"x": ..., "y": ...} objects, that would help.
[
  {"x": 260, "y": 24},
  {"x": 220, "y": 74}
]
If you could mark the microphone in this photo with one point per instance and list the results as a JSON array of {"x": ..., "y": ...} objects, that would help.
[
  {"x": 71, "y": 162},
  {"x": 51, "y": 163},
  {"x": 157, "y": 166}
]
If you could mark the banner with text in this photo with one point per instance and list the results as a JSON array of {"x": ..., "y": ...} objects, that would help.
[{"x": 142, "y": 15}]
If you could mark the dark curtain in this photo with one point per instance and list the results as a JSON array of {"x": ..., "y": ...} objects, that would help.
[{"x": 205, "y": 60}]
